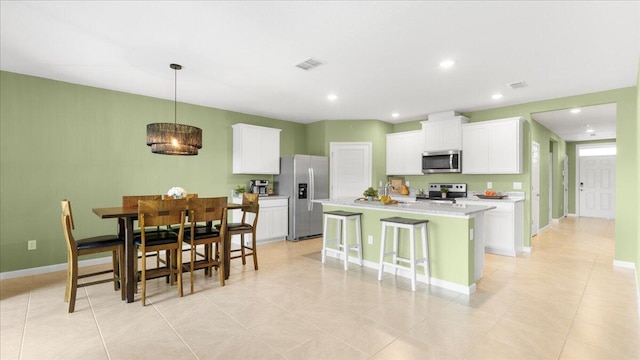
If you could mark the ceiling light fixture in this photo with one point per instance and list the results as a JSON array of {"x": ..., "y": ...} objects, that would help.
[
  {"x": 446, "y": 64},
  {"x": 395, "y": 115},
  {"x": 174, "y": 139},
  {"x": 496, "y": 96},
  {"x": 590, "y": 130},
  {"x": 575, "y": 111},
  {"x": 332, "y": 97}
]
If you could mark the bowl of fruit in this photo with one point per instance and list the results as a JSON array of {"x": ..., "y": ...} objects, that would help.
[{"x": 490, "y": 194}]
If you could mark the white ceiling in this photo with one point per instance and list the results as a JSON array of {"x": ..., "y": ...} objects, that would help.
[
  {"x": 381, "y": 57},
  {"x": 584, "y": 123}
]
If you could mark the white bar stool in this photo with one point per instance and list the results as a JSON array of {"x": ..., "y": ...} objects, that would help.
[
  {"x": 412, "y": 225},
  {"x": 341, "y": 241}
]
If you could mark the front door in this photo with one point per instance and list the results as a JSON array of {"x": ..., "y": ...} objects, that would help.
[{"x": 597, "y": 186}]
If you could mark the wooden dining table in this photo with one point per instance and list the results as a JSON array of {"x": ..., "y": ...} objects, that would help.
[{"x": 126, "y": 217}]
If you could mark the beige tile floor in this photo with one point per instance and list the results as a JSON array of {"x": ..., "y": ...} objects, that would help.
[{"x": 562, "y": 301}]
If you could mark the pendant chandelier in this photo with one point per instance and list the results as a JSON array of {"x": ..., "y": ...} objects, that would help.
[{"x": 174, "y": 138}]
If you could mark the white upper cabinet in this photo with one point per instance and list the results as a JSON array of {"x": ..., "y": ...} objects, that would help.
[
  {"x": 493, "y": 147},
  {"x": 443, "y": 134},
  {"x": 404, "y": 153},
  {"x": 256, "y": 149}
]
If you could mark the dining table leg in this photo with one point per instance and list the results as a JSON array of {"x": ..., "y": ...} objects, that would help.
[{"x": 130, "y": 256}]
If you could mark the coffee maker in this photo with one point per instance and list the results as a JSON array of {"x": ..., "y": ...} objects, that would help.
[{"x": 259, "y": 187}]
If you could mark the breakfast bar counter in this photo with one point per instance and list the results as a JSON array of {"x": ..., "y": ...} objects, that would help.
[{"x": 456, "y": 246}]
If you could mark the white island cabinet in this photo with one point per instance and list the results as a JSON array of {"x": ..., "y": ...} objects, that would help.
[
  {"x": 273, "y": 219},
  {"x": 256, "y": 149},
  {"x": 404, "y": 153},
  {"x": 503, "y": 226},
  {"x": 493, "y": 147}
]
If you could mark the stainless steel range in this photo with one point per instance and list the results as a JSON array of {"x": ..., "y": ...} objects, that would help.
[{"x": 453, "y": 192}]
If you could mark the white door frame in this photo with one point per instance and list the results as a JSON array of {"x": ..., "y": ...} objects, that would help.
[
  {"x": 565, "y": 185},
  {"x": 367, "y": 147},
  {"x": 550, "y": 188},
  {"x": 535, "y": 196},
  {"x": 577, "y": 161}
]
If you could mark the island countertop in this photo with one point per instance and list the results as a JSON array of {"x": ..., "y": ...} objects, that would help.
[{"x": 419, "y": 207}]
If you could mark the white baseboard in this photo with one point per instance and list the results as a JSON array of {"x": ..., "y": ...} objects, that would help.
[
  {"x": 527, "y": 249},
  {"x": 52, "y": 268},
  {"x": 467, "y": 290},
  {"x": 624, "y": 264}
]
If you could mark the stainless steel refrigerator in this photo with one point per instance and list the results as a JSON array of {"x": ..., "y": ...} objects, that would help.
[{"x": 303, "y": 178}]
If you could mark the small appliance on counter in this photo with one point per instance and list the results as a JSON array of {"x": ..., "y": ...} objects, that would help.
[
  {"x": 452, "y": 192},
  {"x": 260, "y": 187}
]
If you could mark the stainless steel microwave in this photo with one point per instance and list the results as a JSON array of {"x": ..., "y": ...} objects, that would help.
[{"x": 448, "y": 161}]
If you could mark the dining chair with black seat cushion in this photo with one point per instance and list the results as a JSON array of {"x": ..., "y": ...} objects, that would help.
[
  {"x": 203, "y": 213},
  {"x": 250, "y": 208},
  {"x": 86, "y": 246},
  {"x": 161, "y": 213}
]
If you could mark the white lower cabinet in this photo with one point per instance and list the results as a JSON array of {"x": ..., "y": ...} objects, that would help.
[
  {"x": 273, "y": 219},
  {"x": 503, "y": 231}
]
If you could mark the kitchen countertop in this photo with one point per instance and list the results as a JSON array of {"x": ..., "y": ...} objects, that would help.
[{"x": 411, "y": 206}]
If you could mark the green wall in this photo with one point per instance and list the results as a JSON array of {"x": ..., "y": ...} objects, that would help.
[
  {"x": 61, "y": 140},
  {"x": 88, "y": 145}
]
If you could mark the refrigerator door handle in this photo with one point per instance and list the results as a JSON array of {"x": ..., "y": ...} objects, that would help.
[{"x": 312, "y": 194}]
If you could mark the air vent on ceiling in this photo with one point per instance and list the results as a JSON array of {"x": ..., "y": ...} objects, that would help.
[
  {"x": 309, "y": 64},
  {"x": 518, "y": 85}
]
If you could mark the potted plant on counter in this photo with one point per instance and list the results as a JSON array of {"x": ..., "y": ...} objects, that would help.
[
  {"x": 444, "y": 192},
  {"x": 370, "y": 193}
]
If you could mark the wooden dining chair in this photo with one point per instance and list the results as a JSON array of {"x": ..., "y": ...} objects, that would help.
[
  {"x": 203, "y": 213},
  {"x": 161, "y": 213},
  {"x": 246, "y": 225},
  {"x": 92, "y": 245}
]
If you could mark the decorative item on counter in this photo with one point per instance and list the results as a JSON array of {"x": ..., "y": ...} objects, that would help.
[
  {"x": 397, "y": 182},
  {"x": 177, "y": 192},
  {"x": 270, "y": 191},
  {"x": 404, "y": 190},
  {"x": 444, "y": 192},
  {"x": 490, "y": 194},
  {"x": 420, "y": 191},
  {"x": 370, "y": 193},
  {"x": 239, "y": 190}
]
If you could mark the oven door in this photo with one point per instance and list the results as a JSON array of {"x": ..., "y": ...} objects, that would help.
[{"x": 442, "y": 162}]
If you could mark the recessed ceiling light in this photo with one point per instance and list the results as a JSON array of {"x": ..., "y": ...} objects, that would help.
[
  {"x": 395, "y": 115},
  {"x": 590, "y": 130},
  {"x": 332, "y": 97},
  {"x": 496, "y": 96},
  {"x": 446, "y": 64},
  {"x": 575, "y": 111}
]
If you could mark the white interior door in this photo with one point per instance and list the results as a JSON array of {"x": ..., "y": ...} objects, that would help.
[
  {"x": 350, "y": 168},
  {"x": 535, "y": 188},
  {"x": 597, "y": 185},
  {"x": 565, "y": 185},
  {"x": 550, "y": 188}
]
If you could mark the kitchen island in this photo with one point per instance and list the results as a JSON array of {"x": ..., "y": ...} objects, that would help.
[{"x": 456, "y": 247}]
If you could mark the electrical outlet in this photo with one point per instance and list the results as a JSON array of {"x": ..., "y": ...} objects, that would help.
[
  {"x": 517, "y": 185},
  {"x": 31, "y": 245},
  {"x": 489, "y": 185},
  {"x": 370, "y": 239},
  {"x": 408, "y": 183}
]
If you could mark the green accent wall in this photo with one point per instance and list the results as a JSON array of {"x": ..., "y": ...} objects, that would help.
[{"x": 61, "y": 140}]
